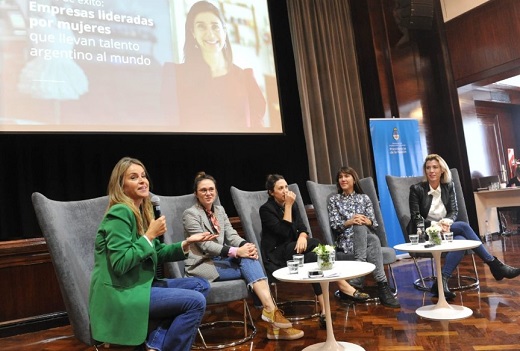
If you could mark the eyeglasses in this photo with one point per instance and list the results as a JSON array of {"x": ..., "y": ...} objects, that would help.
[{"x": 206, "y": 190}]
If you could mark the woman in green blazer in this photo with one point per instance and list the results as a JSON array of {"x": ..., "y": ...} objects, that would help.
[{"x": 124, "y": 296}]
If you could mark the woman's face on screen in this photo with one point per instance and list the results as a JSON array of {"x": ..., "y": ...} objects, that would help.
[{"x": 209, "y": 32}]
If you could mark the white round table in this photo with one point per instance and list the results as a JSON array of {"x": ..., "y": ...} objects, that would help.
[
  {"x": 341, "y": 270},
  {"x": 442, "y": 310}
]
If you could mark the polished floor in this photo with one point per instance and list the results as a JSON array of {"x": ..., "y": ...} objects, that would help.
[{"x": 494, "y": 325}]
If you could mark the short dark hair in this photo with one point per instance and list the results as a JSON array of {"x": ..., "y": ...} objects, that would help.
[{"x": 271, "y": 181}]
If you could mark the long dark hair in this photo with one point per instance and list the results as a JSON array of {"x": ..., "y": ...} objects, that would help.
[
  {"x": 353, "y": 173},
  {"x": 192, "y": 52}
]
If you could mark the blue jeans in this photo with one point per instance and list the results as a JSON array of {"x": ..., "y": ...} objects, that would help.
[
  {"x": 178, "y": 305},
  {"x": 229, "y": 268},
  {"x": 462, "y": 231}
]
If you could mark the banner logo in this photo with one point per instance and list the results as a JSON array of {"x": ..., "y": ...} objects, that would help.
[{"x": 395, "y": 134}]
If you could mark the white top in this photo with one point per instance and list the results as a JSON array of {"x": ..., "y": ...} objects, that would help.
[
  {"x": 455, "y": 245},
  {"x": 341, "y": 270}
]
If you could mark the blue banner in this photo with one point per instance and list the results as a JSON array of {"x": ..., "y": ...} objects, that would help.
[{"x": 396, "y": 144}]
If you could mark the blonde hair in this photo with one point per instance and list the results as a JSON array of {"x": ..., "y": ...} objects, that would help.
[
  {"x": 116, "y": 194},
  {"x": 446, "y": 173}
]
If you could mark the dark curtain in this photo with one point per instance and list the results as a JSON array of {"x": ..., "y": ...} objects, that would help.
[{"x": 334, "y": 121}]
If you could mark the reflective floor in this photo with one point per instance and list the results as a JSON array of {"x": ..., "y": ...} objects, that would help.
[{"x": 494, "y": 325}]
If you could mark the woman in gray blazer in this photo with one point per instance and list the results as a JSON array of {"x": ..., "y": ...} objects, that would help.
[{"x": 229, "y": 256}]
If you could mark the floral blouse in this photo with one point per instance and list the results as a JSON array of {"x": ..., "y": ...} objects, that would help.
[{"x": 343, "y": 207}]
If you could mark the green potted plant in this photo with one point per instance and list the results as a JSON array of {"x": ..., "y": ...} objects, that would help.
[
  {"x": 326, "y": 255},
  {"x": 434, "y": 234}
]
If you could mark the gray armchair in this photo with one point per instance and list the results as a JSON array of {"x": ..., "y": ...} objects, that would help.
[
  {"x": 247, "y": 204},
  {"x": 399, "y": 188},
  {"x": 221, "y": 292},
  {"x": 69, "y": 228},
  {"x": 320, "y": 194}
]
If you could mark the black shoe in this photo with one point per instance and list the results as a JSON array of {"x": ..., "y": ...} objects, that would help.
[
  {"x": 322, "y": 321},
  {"x": 501, "y": 270},
  {"x": 449, "y": 295},
  {"x": 386, "y": 297},
  {"x": 358, "y": 296}
]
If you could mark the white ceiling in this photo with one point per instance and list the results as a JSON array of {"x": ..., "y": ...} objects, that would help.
[{"x": 454, "y": 8}]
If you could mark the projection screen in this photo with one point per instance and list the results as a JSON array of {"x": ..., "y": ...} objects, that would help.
[{"x": 177, "y": 66}]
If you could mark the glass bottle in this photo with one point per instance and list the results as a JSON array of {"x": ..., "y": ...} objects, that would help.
[
  {"x": 488, "y": 237},
  {"x": 420, "y": 231}
]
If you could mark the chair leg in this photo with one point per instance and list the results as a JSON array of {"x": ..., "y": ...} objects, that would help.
[
  {"x": 420, "y": 284},
  {"x": 475, "y": 268},
  {"x": 472, "y": 282},
  {"x": 247, "y": 313},
  {"x": 296, "y": 302},
  {"x": 392, "y": 276},
  {"x": 314, "y": 314},
  {"x": 275, "y": 288},
  {"x": 202, "y": 338},
  {"x": 225, "y": 324}
]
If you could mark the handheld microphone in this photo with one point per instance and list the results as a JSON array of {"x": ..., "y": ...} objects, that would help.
[{"x": 156, "y": 203}]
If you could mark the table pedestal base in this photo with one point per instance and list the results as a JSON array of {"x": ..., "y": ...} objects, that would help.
[
  {"x": 336, "y": 346},
  {"x": 446, "y": 312}
]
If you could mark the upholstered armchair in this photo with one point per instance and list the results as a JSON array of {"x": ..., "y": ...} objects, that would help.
[
  {"x": 69, "y": 228},
  {"x": 399, "y": 188},
  {"x": 221, "y": 292},
  {"x": 320, "y": 194},
  {"x": 247, "y": 204}
]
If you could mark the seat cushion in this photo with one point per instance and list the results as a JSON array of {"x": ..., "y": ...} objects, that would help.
[
  {"x": 226, "y": 291},
  {"x": 388, "y": 255}
]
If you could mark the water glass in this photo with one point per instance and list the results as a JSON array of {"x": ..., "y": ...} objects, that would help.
[
  {"x": 332, "y": 257},
  {"x": 414, "y": 239},
  {"x": 299, "y": 258},
  {"x": 293, "y": 266},
  {"x": 448, "y": 237},
  {"x": 494, "y": 186}
]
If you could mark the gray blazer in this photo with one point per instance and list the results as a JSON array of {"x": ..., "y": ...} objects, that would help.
[{"x": 200, "y": 259}]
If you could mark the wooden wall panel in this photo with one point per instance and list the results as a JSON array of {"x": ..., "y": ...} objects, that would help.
[
  {"x": 415, "y": 78},
  {"x": 29, "y": 286},
  {"x": 484, "y": 41}
]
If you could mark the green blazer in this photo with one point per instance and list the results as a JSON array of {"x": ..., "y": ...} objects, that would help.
[{"x": 124, "y": 268}]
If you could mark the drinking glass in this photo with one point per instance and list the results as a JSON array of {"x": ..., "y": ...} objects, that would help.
[
  {"x": 293, "y": 266},
  {"x": 299, "y": 258}
]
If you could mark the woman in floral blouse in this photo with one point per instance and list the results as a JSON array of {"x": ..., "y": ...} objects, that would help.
[{"x": 351, "y": 217}]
